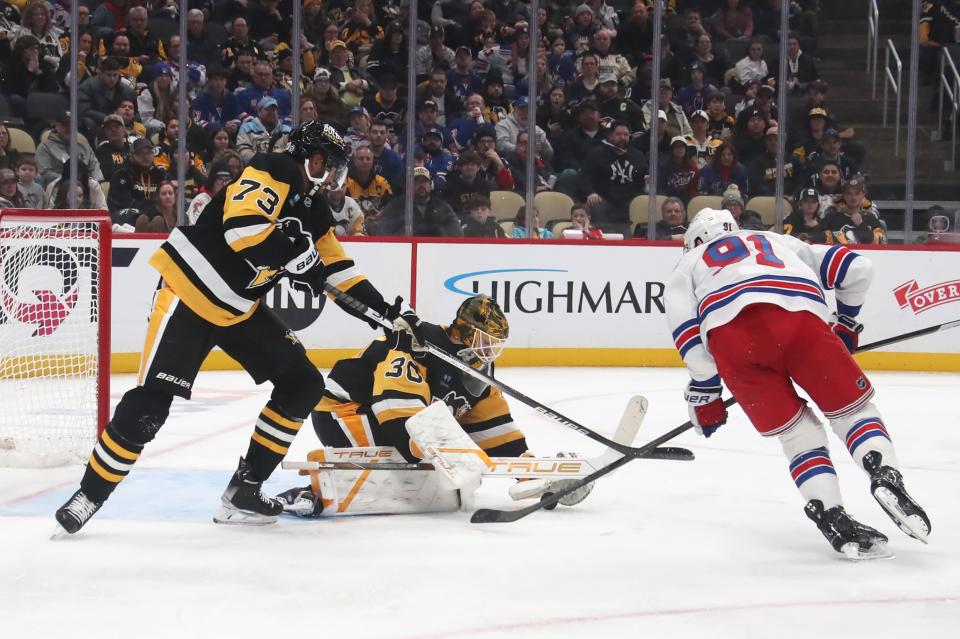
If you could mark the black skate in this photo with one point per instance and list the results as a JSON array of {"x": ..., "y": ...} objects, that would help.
[
  {"x": 847, "y": 536},
  {"x": 300, "y": 502},
  {"x": 244, "y": 503},
  {"x": 76, "y": 512},
  {"x": 886, "y": 485}
]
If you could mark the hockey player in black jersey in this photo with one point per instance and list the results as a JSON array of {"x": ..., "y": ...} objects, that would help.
[{"x": 271, "y": 222}]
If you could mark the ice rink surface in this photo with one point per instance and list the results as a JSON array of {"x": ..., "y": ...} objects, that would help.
[{"x": 718, "y": 547}]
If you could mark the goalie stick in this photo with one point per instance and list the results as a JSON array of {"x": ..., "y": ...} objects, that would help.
[
  {"x": 434, "y": 350},
  {"x": 493, "y": 515}
]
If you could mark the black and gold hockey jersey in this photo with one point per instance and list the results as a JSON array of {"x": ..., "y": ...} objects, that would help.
[
  {"x": 224, "y": 264},
  {"x": 372, "y": 395}
]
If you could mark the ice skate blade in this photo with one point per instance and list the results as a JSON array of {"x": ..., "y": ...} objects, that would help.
[
  {"x": 913, "y": 525},
  {"x": 853, "y": 552},
  {"x": 236, "y": 517},
  {"x": 59, "y": 533}
]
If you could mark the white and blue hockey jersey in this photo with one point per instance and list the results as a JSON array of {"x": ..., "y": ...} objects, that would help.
[{"x": 715, "y": 281}]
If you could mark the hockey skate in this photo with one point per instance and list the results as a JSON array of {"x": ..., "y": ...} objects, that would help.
[
  {"x": 847, "y": 536},
  {"x": 300, "y": 502},
  {"x": 886, "y": 486},
  {"x": 244, "y": 503},
  {"x": 76, "y": 512}
]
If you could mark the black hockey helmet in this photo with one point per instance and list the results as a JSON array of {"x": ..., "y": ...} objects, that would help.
[{"x": 318, "y": 137}]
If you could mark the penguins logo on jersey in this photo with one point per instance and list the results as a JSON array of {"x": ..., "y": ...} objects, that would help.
[
  {"x": 264, "y": 275},
  {"x": 457, "y": 403}
]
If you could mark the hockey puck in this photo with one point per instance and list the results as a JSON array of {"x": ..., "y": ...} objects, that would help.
[{"x": 545, "y": 497}]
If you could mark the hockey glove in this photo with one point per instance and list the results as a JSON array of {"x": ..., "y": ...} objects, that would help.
[
  {"x": 707, "y": 411},
  {"x": 848, "y": 330},
  {"x": 306, "y": 269},
  {"x": 405, "y": 319}
]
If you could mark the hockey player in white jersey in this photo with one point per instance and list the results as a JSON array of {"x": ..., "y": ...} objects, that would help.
[{"x": 747, "y": 308}]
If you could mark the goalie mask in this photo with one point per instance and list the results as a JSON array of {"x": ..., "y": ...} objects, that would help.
[
  {"x": 315, "y": 137},
  {"x": 482, "y": 327},
  {"x": 708, "y": 225}
]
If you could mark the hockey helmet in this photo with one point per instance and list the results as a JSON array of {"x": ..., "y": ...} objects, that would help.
[
  {"x": 482, "y": 327},
  {"x": 318, "y": 137},
  {"x": 708, "y": 225}
]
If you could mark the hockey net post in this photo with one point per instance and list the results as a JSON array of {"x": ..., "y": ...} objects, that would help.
[{"x": 55, "y": 271}]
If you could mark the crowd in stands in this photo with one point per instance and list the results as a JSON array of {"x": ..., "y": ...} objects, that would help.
[{"x": 715, "y": 102}]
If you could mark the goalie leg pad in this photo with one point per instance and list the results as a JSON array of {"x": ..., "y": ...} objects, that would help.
[{"x": 367, "y": 492}]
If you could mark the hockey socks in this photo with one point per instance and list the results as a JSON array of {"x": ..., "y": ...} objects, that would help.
[
  {"x": 811, "y": 468},
  {"x": 271, "y": 439},
  {"x": 111, "y": 460},
  {"x": 862, "y": 432}
]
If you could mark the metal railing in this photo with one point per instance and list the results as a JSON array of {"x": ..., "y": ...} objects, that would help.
[
  {"x": 897, "y": 84},
  {"x": 873, "y": 43},
  {"x": 950, "y": 84}
]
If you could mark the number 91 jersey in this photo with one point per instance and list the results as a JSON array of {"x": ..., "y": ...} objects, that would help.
[{"x": 715, "y": 281}]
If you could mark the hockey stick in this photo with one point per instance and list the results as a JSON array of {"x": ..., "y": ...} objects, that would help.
[
  {"x": 434, "y": 350},
  {"x": 491, "y": 515}
]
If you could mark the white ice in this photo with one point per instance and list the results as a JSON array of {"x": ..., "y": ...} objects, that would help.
[{"x": 718, "y": 547}]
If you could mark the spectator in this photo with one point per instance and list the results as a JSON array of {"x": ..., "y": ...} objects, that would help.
[
  {"x": 462, "y": 78},
  {"x": 241, "y": 75},
  {"x": 517, "y": 159},
  {"x": 805, "y": 222},
  {"x": 371, "y": 191},
  {"x": 683, "y": 39},
  {"x": 749, "y": 134},
  {"x": 89, "y": 194},
  {"x": 854, "y": 219},
  {"x": 671, "y": 225},
  {"x": 130, "y": 66},
  {"x": 88, "y": 61},
  {"x": 664, "y": 140},
  {"x": 578, "y": 35},
  {"x": 613, "y": 175},
  {"x": 580, "y": 221},
  {"x": 201, "y": 46},
  {"x": 359, "y": 130},
  {"x": 492, "y": 167},
  {"x": 830, "y": 151},
  {"x": 30, "y": 191},
  {"x": 329, "y": 106},
  {"x": 166, "y": 153},
  {"x": 37, "y": 22},
  {"x": 494, "y": 97},
  {"x": 432, "y": 217},
  {"x": 519, "y": 231},
  {"x": 587, "y": 80},
  {"x": 215, "y": 108},
  {"x": 733, "y": 21},
  {"x": 267, "y": 24},
  {"x": 133, "y": 188},
  {"x": 54, "y": 152},
  {"x": 8, "y": 155},
  {"x": 509, "y": 127},
  {"x": 158, "y": 101},
  {"x": 347, "y": 215},
  {"x": 143, "y": 44},
  {"x": 613, "y": 107},
  {"x": 109, "y": 17},
  {"x": 801, "y": 68},
  {"x": 519, "y": 51},
  {"x": 714, "y": 65},
  {"x": 437, "y": 90},
  {"x": 216, "y": 181},
  {"x": 114, "y": 151},
  {"x": 386, "y": 162},
  {"x": 26, "y": 73},
  {"x": 635, "y": 36},
  {"x": 388, "y": 57},
  {"x": 722, "y": 172},
  {"x": 478, "y": 221},
  {"x": 702, "y": 145},
  {"x": 720, "y": 124},
  {"x": 745, "y": 219},
  {"x": 763, "y": 102},
  {"x": 162, "y": 216},
  {"x": 829, "y": 183},
  {"x": 475, "y": 114},
  {"x": 248, "y": 100},
  {"x": 676, "y": 119},
  {"x": 554, "y": 117},
  {"x": 679, "y": 174},
  {"x": 238, "y": 41},
  {"x": 752, "y": 66},
  {"x": 808, "y": 141},
  {"x": 348, "y": 80},
  {"x": 610, "y": 62},
  {"x": 234, "y": 163},
  {"x": 264, "y": 133},
  {"x": 763, "y": 168},
  {"x": 127, "y": 110},
  {"x": 100, "y": 95},
  {"x": 436, "y": 158},
  {"x": 435, "y": 55},
  {"x": 10, "y": 197},
  {"x": 465, "y": 182},
  {"x": 386, "y": 104}
]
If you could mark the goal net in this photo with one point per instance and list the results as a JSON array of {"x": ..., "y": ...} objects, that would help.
[{"x": 54, "y": 335}]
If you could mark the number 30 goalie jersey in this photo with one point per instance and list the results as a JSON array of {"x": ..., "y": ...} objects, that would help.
[{"x": 715, "y": 281}]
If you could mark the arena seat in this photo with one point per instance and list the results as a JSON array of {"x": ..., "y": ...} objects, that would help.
[
  {"x": 702, "y": 202},
  {"x": 766, "y": 206},
  {"x": 21, "y": 141},
  {"x": 639, "y": 208},
  {"x": 553, "y": 205},
  {"x": 504, "y": 204}
]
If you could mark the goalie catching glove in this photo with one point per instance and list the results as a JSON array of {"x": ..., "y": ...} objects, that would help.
[{"x": 707, "y": 411}]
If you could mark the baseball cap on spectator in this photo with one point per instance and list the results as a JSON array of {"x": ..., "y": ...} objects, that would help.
[
  {"x": 429, "y": 104},
  {"x": 772, "y": 131},
  {"x": 856, "y": 182},
  {"x": 521, "y": 102},
  {"x": 359, "y": 110},
  {"x": 266, "y": 102},
  {"x": 321, "y": 72},
  {"x": 421, "y": 172},
  {"x": 679, "y": 139},
  {"x": 768, "y": 90},
  {"x": 464, "y": 49},
  {"x": 732, "y": 194},
  {"x": 141, "y": 144},
  {"x": 162, "y": 68},
  {"x": 809, "y": 194},
  {"x": 113, "y": 118},
  {"x": 432, "y": 131},
  {"x": 522, "y": 27},
  {"x": 63, "y": 118},
  {"x": 665, "y": 83},
  {"x": 832, "y": 134},
  {"x": 583, "y": 8},
  {"x": 717, "y": 97},
  {"x": 587, "y": 104},
  {"x": 700, "y": 113},
  {"x": 337, "y": 43},
  {"x": 437, "y": 31},
  {"x": 608, "y": 77},
  {"x": 755, "y": 113},
  {"x": 817, "y": 112},
  {"x": 695, "y": 66}
]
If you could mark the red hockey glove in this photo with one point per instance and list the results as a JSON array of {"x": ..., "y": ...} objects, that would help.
[
  {"x": 707, "y": 411},
  {"x": 848, "y": 330}
]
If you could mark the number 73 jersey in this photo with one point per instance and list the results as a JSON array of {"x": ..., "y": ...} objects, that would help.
[{"x": 715, "y": 281}]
